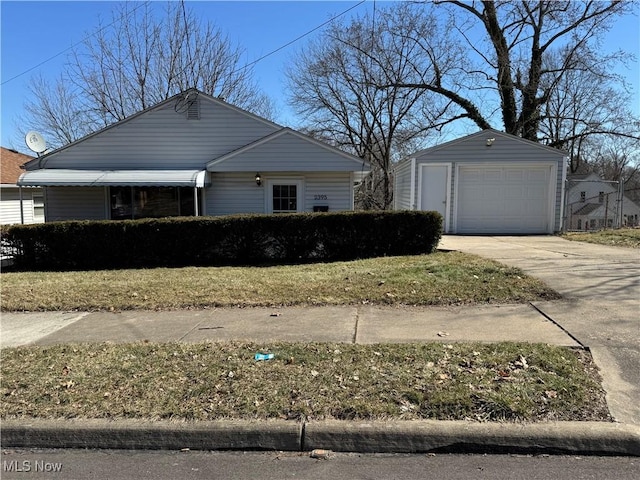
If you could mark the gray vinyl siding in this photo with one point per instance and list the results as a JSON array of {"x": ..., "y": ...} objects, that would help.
[
  {"x": 402, "y": 187},
  {"x": 336, "y": 188},
  {"x": 231, "y": 193},
  {"x": 164, "y": 139},
  {"x": 75, "y": 203},
  {"x": 10, "y": 205},
  {"x": 286, "y": 153}
]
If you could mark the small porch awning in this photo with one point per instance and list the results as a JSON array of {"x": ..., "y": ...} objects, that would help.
[{"x": 58, "y": 177}]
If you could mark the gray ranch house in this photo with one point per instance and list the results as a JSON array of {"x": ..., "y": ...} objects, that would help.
[
  {"x": 193, "y": 155},
  {"x": 489, "y": 182}
]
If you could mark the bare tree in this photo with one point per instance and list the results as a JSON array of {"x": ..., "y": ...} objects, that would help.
[
  {"x": 137, "y": 61},
  {"x": 618, "y": 158},
  {"x": 54, "y": 111},
  {"x": 505, "y": 76},
  {"x": 587, "y": 111},
  {"x": 336, "y": 86}
]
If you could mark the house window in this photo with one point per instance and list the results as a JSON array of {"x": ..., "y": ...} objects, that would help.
[
  {"x": 601, "y": 197},
  {"x": 284, "y": 195},
  {"x": 150, "y": 202},
  {"x": 583, "y": 196},
  {"x": 579, "y": 224},
  {"x": 285, "y": 198},
  {"x": 592, "y": 223},
  {"x": 38, "y": 207}
]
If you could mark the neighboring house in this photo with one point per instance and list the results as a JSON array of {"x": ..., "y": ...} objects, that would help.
[
  {"x": 489, "y": 182},
  {"x": 594, "y": 203},
  {"x": 193, "y": 155},
  {"x": 11, "y": 210}
]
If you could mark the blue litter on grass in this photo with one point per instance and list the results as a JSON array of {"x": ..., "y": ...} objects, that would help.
[{"x": 264, "y": 356}]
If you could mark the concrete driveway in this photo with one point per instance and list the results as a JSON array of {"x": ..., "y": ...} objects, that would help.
[{"x": 601, "y": 308}]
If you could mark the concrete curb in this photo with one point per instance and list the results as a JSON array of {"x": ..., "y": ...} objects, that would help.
[
  {"x": 584, "y": 438},
  {"x": 152, "y": 435}
]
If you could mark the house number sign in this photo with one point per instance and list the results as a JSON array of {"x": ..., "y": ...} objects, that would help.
[{"x": 320, "y": 197}]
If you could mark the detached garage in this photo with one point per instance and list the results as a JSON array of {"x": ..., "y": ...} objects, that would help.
[{"x": 486, "y": 183}]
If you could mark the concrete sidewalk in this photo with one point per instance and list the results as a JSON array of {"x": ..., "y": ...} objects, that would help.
[
  {"x": 350, "y": 324},
  {"x": 600, "y": 311},
  {"x": 361, "y": 324}
]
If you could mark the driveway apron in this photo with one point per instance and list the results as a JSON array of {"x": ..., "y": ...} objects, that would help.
[{"x": 601, "y": 304}]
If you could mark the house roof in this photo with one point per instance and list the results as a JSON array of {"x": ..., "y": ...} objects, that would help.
[
  {"x": 11, "y": 169},
  {"x": 358, "y": 164},
  {"x": 592, "y": 177},
  {"x": 37, "y": 162},
  {"x": 155, "y": 138},
  {"x": 484, "y": 133},
  {"x": 587, "y": 209}
]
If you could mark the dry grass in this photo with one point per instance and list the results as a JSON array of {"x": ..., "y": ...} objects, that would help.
[
  {"x": 442, "y": 278},
  {"x": 624, "y": 237},
  {"x": 508, "y": 381}
]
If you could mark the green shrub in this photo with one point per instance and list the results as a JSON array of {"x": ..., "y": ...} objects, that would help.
[{"x": 229, "y": 240}]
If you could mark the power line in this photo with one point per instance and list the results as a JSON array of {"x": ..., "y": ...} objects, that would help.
[
  {"x": 147, "y": 2},
  {"x": 75, "y": 44},
  {"x": 300, "y": 37}
]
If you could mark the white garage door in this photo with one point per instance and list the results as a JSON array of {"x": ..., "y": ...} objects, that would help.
[{"x": 503, "y": 199}]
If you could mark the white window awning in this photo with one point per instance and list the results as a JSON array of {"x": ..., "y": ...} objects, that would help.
[{"x": 58, "y": 177}]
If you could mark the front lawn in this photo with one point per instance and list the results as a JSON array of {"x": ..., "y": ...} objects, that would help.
[
  {"x": 207, "y": 381},
  {"x": 442, "y": 278},
  {"x": 624, "y": 237}
]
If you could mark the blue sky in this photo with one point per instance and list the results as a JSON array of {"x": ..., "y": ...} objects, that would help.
[{"x": 32, "y": 32}]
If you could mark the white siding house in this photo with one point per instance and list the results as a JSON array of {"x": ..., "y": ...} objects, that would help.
[
  {"x": 593, "y": 204},
  {"x": 17, "y": 204},
  {"x": 193, "y": 155},
  {"x": 489, "y": 182}
]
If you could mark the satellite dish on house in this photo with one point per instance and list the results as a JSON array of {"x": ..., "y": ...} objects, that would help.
[{"x": 35, "y": 142}]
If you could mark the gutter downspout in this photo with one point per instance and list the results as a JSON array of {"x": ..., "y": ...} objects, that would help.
[{"x": 21, "y": 205}]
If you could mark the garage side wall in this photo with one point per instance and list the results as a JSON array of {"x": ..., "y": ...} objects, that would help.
[
  {"x": 402, "y": 187},
  {"x": 473, "y": 150}
]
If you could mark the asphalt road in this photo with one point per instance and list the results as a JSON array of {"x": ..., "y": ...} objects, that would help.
[{"x": 141, "y": 465}]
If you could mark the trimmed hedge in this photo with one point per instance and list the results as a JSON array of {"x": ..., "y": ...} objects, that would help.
[{"x": 215, "y": 241}]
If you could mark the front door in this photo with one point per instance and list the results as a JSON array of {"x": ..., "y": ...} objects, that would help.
[{"x": 434, "y": 190}]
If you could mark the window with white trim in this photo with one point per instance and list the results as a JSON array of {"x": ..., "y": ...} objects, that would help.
[{"x": 38, "y": 207}]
